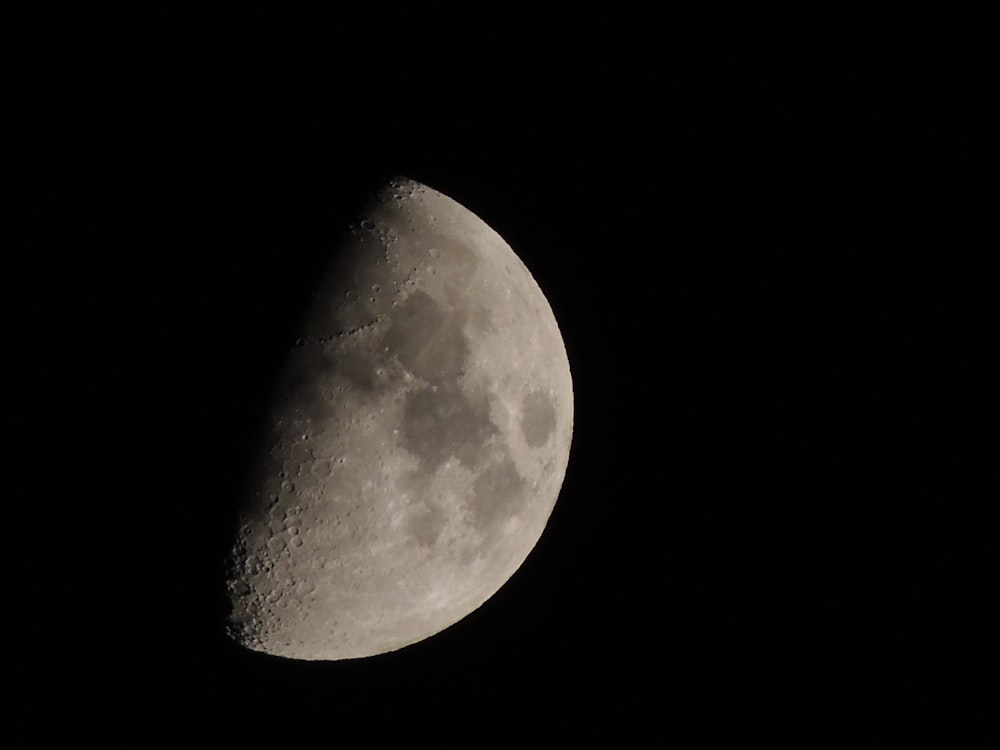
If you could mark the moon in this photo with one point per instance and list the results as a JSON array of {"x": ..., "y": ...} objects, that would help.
[{"x": 415, "y": 445}]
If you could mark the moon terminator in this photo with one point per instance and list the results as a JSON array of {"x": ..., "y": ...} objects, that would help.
[{"x": 415, "y": 445}]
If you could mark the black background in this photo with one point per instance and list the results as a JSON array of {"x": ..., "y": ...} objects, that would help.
[{"x": 757, "y": 235}]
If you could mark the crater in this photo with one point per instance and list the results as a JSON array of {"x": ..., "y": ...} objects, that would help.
[{"x": 538, "y": 418}]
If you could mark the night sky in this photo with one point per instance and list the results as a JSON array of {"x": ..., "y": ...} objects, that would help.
[{"x": 753, "y": 232}]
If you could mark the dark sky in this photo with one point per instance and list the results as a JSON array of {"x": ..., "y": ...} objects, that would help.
[{"x": 753, "y": 233}]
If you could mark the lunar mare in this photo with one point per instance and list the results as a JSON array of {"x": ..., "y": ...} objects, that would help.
[{"x": 415, "y": 445}]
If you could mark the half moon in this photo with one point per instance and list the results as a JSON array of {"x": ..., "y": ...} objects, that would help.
[{"x": 415, "y": 444}]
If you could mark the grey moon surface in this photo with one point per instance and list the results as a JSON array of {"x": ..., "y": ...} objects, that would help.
[{"x": 415, "y": 445}]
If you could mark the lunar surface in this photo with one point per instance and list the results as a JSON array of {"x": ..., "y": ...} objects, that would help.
[{"x": 415, "y": 445}]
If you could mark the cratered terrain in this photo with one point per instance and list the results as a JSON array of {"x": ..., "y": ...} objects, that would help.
[{"x": 415, "y": 443}]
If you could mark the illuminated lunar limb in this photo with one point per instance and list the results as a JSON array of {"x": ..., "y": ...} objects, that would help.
[{"x": 415, "y": 446}]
